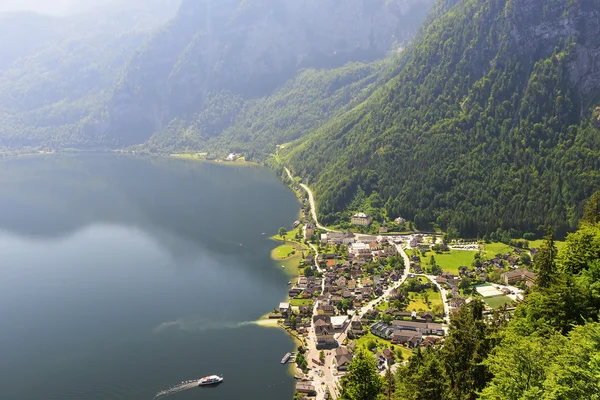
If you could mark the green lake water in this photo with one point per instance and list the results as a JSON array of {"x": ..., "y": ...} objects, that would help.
[{"x": 121, "y": 277}]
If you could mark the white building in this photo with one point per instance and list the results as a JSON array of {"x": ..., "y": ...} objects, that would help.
[
  {"x": 357, "y": 248},
  {"x": 361, "y": 219},
  {"x": 339, "y": 322}
]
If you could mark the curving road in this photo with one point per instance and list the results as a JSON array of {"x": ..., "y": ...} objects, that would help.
[{"x": 311, "y": 199}]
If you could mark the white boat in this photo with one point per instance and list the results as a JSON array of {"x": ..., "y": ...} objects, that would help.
[
  {"x": 210, "y": 380},
  {"x": 286, "y": 358}
]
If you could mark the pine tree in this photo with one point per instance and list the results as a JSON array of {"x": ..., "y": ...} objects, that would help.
[
  {"x": 362, "y": 381},
  {"x": 591, "y": 212},
  {"x": 464, "y": 350},
  {"x": 389, "y": 383},
  {"x": 545, "y": 262}
]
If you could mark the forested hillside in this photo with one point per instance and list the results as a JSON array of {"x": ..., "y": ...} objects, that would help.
[
  {"x": 493, "y": 123},
  {"x": 488, "y": 120},
  {"x": 254, "y": 127}
]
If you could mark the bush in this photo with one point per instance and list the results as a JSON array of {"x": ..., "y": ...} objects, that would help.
[{"x": 371, "y": 345}]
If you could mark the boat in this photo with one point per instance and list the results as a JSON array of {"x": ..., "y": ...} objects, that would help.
[
  {"x": 286, "y": 358},
  {"x": 210, "y": 380},
  {"x": 283, "y": 266}
]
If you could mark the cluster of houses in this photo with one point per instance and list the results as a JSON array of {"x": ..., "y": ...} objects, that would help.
[
  {"x": 411, "y": 333},
  {"x": 305, "y": 288},
  {"x": 347, "y": 281},
  {"x": 497, "y": 264}
]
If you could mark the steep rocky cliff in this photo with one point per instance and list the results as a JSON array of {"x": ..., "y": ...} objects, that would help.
[{"x": 248, "y": 48}]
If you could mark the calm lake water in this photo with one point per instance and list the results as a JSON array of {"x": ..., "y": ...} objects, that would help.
[{"x": 121, "y": 277}]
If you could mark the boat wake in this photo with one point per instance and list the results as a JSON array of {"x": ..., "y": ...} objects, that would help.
[
  {"x": 199, "y": 325},
  {"x": 176, "y": 389}
]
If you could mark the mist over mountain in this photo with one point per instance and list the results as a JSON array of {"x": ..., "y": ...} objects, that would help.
[
  {"x": 57, "y": 71},
  {"x": 194, "y": 75},
  {"x": 247, "y": 49},
  {"x": 52, "y": 7}
]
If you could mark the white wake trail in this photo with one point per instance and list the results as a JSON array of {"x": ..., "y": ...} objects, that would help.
[{"x": 176, "y": 389}]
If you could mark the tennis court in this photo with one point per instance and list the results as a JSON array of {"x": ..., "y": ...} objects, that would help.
[{"x": 488, "y": 291}]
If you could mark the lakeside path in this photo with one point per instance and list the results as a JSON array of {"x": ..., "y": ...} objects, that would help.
[
  {"x": 324, "y": 377},
  {"x": 311, "y": 200}
]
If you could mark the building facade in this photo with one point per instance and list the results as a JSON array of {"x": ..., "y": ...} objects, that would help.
[{"x": 361, "y": 219}]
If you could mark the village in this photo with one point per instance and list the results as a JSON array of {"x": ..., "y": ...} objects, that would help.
[{"x": 383, "y": 293}]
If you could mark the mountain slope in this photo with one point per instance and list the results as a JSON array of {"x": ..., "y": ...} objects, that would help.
[
  {"x": 488, "y": 126},
  {"x": 246, "y": 49},
  {"x": 255, "y": 127},
  {"x": 57, "y": 73}
]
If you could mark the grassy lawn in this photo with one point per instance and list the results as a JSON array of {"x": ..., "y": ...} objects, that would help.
[
  {"x": 497, "y": 302},
  {"x": 538, "y": 243},
  {"x": 492, "y": 249},
  {"x": 284, "y": 251},
  {"x": 383, "y": 306},
  {"x": 291, "y": 264},
  {"x": 381, "y": 344},
  {"x": 417, "y": 303},
  {"x": 290, "y": 236},
  {"x": 301, "y": 302},
  {"x": 406, "y": 352},
  {"x": 195, "y": 156},
  {"x": 450, "y": 261}
]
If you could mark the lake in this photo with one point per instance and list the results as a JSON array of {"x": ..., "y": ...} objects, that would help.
[{"x": 122, "y": 277}]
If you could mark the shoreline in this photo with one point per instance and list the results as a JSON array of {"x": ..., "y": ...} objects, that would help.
[
  {"x": 241, "y": 161},
  {"x": 292, "y": 271}
]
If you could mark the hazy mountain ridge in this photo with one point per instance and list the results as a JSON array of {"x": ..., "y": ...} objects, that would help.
[
  {"x": 61, "y": 73},
  {"x": 249, "y": 48}
]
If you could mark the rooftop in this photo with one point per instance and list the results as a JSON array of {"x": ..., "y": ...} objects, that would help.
[{"x": 339, "y": 320}]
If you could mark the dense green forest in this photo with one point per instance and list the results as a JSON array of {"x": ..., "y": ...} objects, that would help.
[
  {"x": 549, "y": 348},
  {"x": 491, "y": 124}
]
